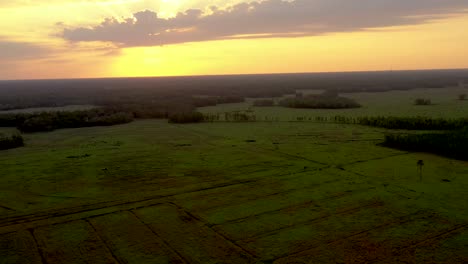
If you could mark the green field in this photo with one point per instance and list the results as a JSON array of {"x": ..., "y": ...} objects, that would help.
[
  {"x": 391, "y": 103},
  {"x": 258, "y": 192},
  {"x": 48, "y": 109}
]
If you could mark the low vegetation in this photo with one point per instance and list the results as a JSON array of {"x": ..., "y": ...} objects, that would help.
[
  {"x": 453, "y": 144},
  {"x": 264, "y": 102},
  {"x": 414, "y": 123},
  {"x": 48, "y": 121},
  {"x": 9, "y": 142},
  {"x": 323, "y": 101},
  {"x": 462, "y": 97},
  {"x": 392, "y": 122},
  {"x": 215, "y": 100},
  {"x": 185, "y": 118},
  {"x": 421, "y": 101}
]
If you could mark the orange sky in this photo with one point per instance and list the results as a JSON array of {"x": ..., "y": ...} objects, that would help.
[{"x": 31, "y": 45}]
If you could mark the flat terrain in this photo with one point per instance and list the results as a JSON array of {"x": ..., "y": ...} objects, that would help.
[
  {"x": 391, "y": 103},
  {"x": 48, "y": 109},
  {"x": 152, "y": 192},
  {"x": 264, "y": 192}
]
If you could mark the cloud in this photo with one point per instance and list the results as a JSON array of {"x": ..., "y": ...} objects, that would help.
[
  {"x": 12, "y": 50},
  {"x": 266, "y": 19}
]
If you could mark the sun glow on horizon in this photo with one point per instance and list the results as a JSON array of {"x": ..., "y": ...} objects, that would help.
[
  {"x": 437, "y": 44},
  {"x": 397, "y": 48}
]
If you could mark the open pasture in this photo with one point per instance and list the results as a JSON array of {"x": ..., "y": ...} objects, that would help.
[
  {"x": 48, "y": 109},
  {"x": 282, "y": 192},
  {"x": 445, "y": 104}
]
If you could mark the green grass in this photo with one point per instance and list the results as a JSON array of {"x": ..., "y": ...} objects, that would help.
[
  {"x": 48, "y": 109},
  {"x": 78, "y": 166},
  {"x": 393, "y": 103},
  {"x": 277, "y": 189}
]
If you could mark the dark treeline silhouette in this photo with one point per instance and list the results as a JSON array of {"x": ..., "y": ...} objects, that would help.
[
  {"x": 414, "y": 123},
  {"x": 215, "y": 100},
  {"x": 48, "y": 121},
  {"x": 129, "y": 98},
  {"x": 185, "y": 118},
  {"x": 401, "y": 123},
  {"x": 392, "y": 122},
  {"x": 233, "y": 116},
  {"x": 155, "y": 92},
  {"x": 264, "y": 102},
  {"x": 327, "y": 100},
  {"x": 9, "y": 142},
  {"x": 453, "y": 144}
]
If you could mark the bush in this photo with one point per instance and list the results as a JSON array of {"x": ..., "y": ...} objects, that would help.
[
  {"x": 264, "y": 102},
  {"x": 421, "y": 101},
  {"x": 462, "y": 97},
  {"x": 184, "y": 118},
  {"x": 13, "y": 141}
]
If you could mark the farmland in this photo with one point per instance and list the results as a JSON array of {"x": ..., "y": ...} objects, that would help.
[
  {"x": 282, "y": 192},
  {"x": 389, "y": 103},
  {"x": 280, "y": 188}
]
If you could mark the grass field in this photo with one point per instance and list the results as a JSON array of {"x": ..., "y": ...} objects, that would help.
[
  {"x": 48, "y": 109},
  {"x": 282, "y": 192},
  {"x": 392, "y": 103}
]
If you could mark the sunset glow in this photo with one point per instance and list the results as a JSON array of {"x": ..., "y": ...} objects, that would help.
[{"x": 33, "y": 44}]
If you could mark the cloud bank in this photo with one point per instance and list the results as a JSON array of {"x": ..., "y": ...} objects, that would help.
[{"x": 266, "y": 19}]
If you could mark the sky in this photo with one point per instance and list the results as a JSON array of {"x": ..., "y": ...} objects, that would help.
[{"x": 42, "y": 39}]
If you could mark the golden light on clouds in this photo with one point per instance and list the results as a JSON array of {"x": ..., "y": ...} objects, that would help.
[
  {"x": 31, "y": 30},
  {"x": 398, "y": 48}
]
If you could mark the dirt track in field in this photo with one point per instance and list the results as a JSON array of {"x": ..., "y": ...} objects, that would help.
[{"x": 162, "y": 230}]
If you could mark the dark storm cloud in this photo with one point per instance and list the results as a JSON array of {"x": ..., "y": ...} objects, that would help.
[{"x": 270, "y": 18}]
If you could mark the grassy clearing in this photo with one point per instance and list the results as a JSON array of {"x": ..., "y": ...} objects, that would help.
[
  {"x": 280, "y": 191},
  {"x": 392, "y": 103},
  {"x": 68, "y": 108}
]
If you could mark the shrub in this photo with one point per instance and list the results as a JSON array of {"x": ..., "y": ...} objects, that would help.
[
  {"x": 462, "y": 97},
  {"x": 421, "y": 101},
  {"x": 9, "y": 142}
]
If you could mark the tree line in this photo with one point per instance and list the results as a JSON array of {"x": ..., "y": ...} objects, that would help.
[
  {"x": 48, "y": 121},
  {"x": 414, "y": 123},
  {"x": 111, "y": 113},
  {"x": 402, "y": 123},
  {"x": 197, "y": 117},
  {"x": 452, "y": 144},
  {"x": 323, "y": 101}
]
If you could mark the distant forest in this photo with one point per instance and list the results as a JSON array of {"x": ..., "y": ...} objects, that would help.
[
  {"x": 122, "y": 100},
  {"x": 158, "y": 96}
]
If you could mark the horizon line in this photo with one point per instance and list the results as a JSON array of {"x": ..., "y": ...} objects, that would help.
[{"x": 235, "y": 74}]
